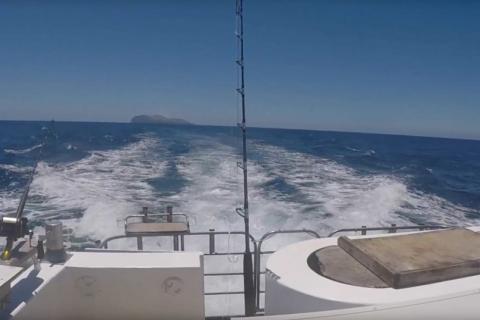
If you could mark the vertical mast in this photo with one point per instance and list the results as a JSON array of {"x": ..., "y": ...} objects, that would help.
[{"x": 247, "y": 258}]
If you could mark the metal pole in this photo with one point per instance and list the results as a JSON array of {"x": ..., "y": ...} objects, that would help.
[
  {"x": 170, "y": 214},
  {"x": 23, "y": 201},
  {"x": 170, "y": 219},
  {"x": 211, "y": 242},
  {"x": 249, "y": 286}
]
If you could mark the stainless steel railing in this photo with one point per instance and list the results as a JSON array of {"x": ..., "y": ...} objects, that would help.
[
  {"x": 391, "y": 229},
  {"x": 258, "y": 252},
  {"x": 212, "y": 249}
]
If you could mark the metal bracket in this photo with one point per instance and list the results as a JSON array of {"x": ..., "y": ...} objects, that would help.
[{"x": 240, "y": 212}]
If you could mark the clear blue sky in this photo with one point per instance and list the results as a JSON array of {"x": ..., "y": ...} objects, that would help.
[{"x": 408, "y": 67}]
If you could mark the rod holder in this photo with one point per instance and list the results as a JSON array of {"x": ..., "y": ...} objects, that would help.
[
  {"x": 393, "y": 228},
  {"x": 139, "y": 243},
  {"x": 170, "y": 214},
  {"x": 55, "y": 248},
  {"x": 211, "y": 241}
]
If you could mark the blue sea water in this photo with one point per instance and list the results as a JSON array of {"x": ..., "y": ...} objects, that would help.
[{"x": 92, "y": 175}]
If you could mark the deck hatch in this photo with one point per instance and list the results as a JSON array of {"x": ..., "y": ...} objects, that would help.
[{"x": 414, "y": 259}]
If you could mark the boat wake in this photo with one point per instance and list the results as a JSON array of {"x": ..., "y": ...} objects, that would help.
[
  {"x": 287, "y": 190},
  {"x": 91, "y": 194}
]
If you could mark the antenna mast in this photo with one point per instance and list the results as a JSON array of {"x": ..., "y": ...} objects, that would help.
[{"x": 243, "y": 212}]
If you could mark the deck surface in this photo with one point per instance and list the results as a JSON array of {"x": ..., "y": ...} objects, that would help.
[
  {"x": 7, "y": 275},
  {"x": 419, "y": 258}
]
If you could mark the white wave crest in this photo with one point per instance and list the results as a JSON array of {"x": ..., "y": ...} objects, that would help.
[
  {"x": 337, "y": 196},
  {"x": 15, "y": 169},
  {"x": 23, "y": 151}
]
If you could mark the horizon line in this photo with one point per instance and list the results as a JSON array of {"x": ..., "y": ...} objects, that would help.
[{"x": 262, "y": 127}]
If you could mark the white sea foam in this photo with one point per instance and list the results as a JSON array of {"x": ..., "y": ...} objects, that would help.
[
  {"x": 14, "y": 168},
  {"x": 8, "y": 201},
  {"x": 10, "y": 198},
  {"x": 105, "y": 186},
  {"x": 109, "y": 184},
  {"x": 23, "y": 151},
  {"x": 70, "y": 147},
  {"x": 336, "y": 196}
]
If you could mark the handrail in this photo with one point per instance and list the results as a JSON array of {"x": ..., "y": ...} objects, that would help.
[
  {"x": 291, "y": 231},
  {"x": 257, "y": 246},
  {"x": 212, "y": 250},
  {"x": 259, "y": 252},
  {"x": 391, "y": 229},
  {"x": 166, "y": 217},
  {"x": 104, "y": 243}
]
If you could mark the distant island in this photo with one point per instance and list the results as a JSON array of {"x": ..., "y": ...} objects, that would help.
[{"x": 158, "y": 119}]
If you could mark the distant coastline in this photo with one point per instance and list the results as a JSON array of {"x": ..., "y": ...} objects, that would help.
[{"x": 159, "y": 119}]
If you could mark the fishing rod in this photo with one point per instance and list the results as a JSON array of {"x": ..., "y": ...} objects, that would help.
[
  {"x": 14, "y": 227},
  {"x": 249, "y": 287}
]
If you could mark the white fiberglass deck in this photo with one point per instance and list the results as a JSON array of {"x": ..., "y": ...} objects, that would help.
[{"x": 112, "y": 285}]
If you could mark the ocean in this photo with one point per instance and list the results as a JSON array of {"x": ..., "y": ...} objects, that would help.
[{"x": 92, "y": 175}]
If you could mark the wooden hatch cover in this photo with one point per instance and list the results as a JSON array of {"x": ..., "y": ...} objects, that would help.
[{"x": 418, "y": 258}]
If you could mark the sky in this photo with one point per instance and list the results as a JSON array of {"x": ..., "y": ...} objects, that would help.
[{"x": 404, "y": 67}]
